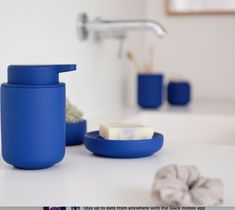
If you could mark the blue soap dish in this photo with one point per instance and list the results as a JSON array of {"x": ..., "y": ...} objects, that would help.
[
  {"x": 122, "y": 148},
  {"x": 75, "y": 132}
]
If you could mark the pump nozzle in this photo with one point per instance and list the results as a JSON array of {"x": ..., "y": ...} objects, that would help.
[{"x": 37, "y": 74}]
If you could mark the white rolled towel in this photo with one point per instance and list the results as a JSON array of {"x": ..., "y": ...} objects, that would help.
[{"x": 182, "y": 185}]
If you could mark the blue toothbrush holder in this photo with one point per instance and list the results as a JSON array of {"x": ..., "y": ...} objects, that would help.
[
  {"x": 150, "y": 89},
  {"x": 179, "y": 93}
]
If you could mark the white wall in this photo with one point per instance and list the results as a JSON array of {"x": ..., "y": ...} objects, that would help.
[
  {"x": 45, "y": 32},
  {"x": 199, "y": 48}
]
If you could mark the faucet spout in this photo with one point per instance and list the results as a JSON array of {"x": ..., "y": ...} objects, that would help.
[
  {"x": 118, "y": 29},
  {"x": 104, "y": 28}
]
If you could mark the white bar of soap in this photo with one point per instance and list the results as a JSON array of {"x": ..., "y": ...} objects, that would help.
[{"x": 125, "y": 131}]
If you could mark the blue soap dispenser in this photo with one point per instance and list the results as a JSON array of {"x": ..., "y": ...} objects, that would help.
[{"x": 33, "y": 116}]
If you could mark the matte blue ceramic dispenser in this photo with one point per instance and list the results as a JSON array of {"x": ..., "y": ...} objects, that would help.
[{"x": 33, "y": 116}]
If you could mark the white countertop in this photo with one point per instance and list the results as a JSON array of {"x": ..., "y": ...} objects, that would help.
[
  {"x": 84, "y": 179},
  {"x": 197, "y": 107}
]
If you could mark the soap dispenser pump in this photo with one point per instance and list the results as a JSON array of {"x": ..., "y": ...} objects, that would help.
[{"x": 33, "y": 116}]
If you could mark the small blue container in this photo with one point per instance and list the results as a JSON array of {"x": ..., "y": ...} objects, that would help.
[
  {"x": 122, "y": 148},
  {"x": 150, "y": 88},
  {"x": 33, "y": 116},
  {"x": 75, "y": 132},
  {"x": 179, "y": 93}
]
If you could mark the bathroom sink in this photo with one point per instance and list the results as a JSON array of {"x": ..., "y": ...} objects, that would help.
[{"x": 190, "y": 127}]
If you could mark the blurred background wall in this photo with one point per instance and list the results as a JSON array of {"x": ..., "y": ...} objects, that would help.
[
  {"x": 39, "y": 32},
  {"x": 199, "y": 48}
]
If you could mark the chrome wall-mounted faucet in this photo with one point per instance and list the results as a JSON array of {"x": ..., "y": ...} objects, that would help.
[{"x": 118, "y": 29}]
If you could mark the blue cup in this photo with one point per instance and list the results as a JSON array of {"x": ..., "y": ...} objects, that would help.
[
  {"x": 179, "y": 93},
  {"x": 75, "y": 132},
  {"x": 150, "y": 88}
]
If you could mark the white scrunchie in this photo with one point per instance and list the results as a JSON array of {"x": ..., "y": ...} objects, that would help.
[{"x": 183, "y": 186}]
